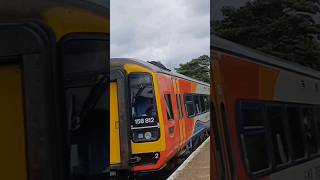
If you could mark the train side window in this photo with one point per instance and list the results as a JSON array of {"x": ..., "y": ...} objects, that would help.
[
  {"x": 179, "y": 105},
  {"x": 310, "y": 130},
  {"x": 202, "y": 103},
  {"x": 275, "y": 116},
  {"x": 188, "y": 100},
  {"x": 295, "y": 126},
  {"x": 197, "y": 104},
  {"x": 252, "y": 116},
  {"x": 169, "y": 106},
  {"x": 253, "y": 138},
  {"x": 256, "y": 152}
]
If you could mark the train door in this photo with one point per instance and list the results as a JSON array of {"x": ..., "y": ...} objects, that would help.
[
  {"x": 217, "y": 145},
  {"x": 172, "y": 114},
  {"x": 29, "y": 112},
  {"x": 12, "y": 131},
  {"x": 114, "y": 125},
  {"x": 223, "y": 152},
  {"x": 84, "y": 70},
  {"x": 120, "y": 149},
  {"x": 180, "y": 113}
]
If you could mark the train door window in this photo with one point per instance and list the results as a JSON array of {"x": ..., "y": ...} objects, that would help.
[
  {"x": 275, "y": 116},
  {"x": 253, "y": 137},
  {"x": 197, "y": 104},
  {"x": 202, "y": 103},
  {"x": 310, "y": 130},
  {"x": 141, "y": 95},
  {"x": 169, "y": 106},
  {"x": 84, "y": 74},
  {"x": 188, "y": 100},
  {"x": 178, "y": 99},
  {"x": 295, "y": 126}
]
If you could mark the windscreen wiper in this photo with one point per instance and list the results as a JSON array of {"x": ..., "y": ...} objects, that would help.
[{"x": 95, "y": 93}]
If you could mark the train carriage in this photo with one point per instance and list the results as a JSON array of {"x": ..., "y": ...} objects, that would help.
[
  {"x": 53, "y": 54},
  {"x": 155, "y": 114},
  {"x": 267, "y": 119}
]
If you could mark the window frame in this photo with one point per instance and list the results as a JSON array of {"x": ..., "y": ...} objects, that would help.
[
  {"x": 242, "y": 131},
  {"x": 197, "y": 96},
  {"x": 202, "y": 107},
  {"x": 154, "y": 103},
  {"x": 171, "y": 106},
  {"x": 291, "y": 162},
  {"x": 186, "y": 108},
  {"x": 307, "y": 151},
  {"x": 298, "y": 106},
  {"x": 286, "y": 134},
  {"x": 207, "y": 106},
  {"x": 154, "y": 94}
]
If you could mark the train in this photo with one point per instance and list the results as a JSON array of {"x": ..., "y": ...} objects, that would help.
[
  {"x": 156, "y": 114},
  {"x": 265, "y": 115},
  {"x": 53, "y": 72}
]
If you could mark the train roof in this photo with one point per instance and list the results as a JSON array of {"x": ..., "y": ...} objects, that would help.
[
  {"x": 15, "y": 9},
  {"x": 122, "y": 61},
  {"x": 227, "y": 46}
]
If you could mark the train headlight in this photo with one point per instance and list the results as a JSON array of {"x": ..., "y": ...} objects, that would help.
[
  {"x": 148, "y": 135},
  {"x": 145, "y": 135}
]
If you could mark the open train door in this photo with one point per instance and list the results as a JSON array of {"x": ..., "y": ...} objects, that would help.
[
  {"x": 120, "y": 149},
  {"x": 28, "y": 104}
]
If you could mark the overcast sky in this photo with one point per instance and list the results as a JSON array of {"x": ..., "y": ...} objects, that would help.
[{"x": 170, "y": 31}]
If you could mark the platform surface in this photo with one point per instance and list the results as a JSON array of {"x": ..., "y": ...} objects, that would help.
[{"x": 196, "y": 166}]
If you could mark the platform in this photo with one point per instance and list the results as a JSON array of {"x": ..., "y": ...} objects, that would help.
[{"x": 196, "y": 166}]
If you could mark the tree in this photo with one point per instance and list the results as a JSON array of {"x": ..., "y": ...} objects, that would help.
[
  {"x": 288, "y": 29},
  {"x": 198, "y": 68}
]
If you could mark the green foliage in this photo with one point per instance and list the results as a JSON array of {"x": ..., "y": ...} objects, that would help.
[
  {"x": 198, "y": 68},
  {"x": 283, "y": 28}
]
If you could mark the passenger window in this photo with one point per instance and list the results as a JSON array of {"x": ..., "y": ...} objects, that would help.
[
  {"x": 202, "y": 104},
  {"x": 256, "y": 151},
  {"x": 310, "y": 130},
  {"x": 275, "y": 117},
  {"x": 197, "y": 103},
  {"x": 142, "y": 95},
  {"x": 188, "y": 100},
  {"x": 253, "y": 137},
  {"x": 169, "y": 107},
  {"x": 88, "y": 150},
  {"x": 293, "y": 118},
  {"x": 252, "y": 116}
]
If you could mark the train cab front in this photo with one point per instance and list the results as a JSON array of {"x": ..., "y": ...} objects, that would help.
[{"x": 136, "y": 127}]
